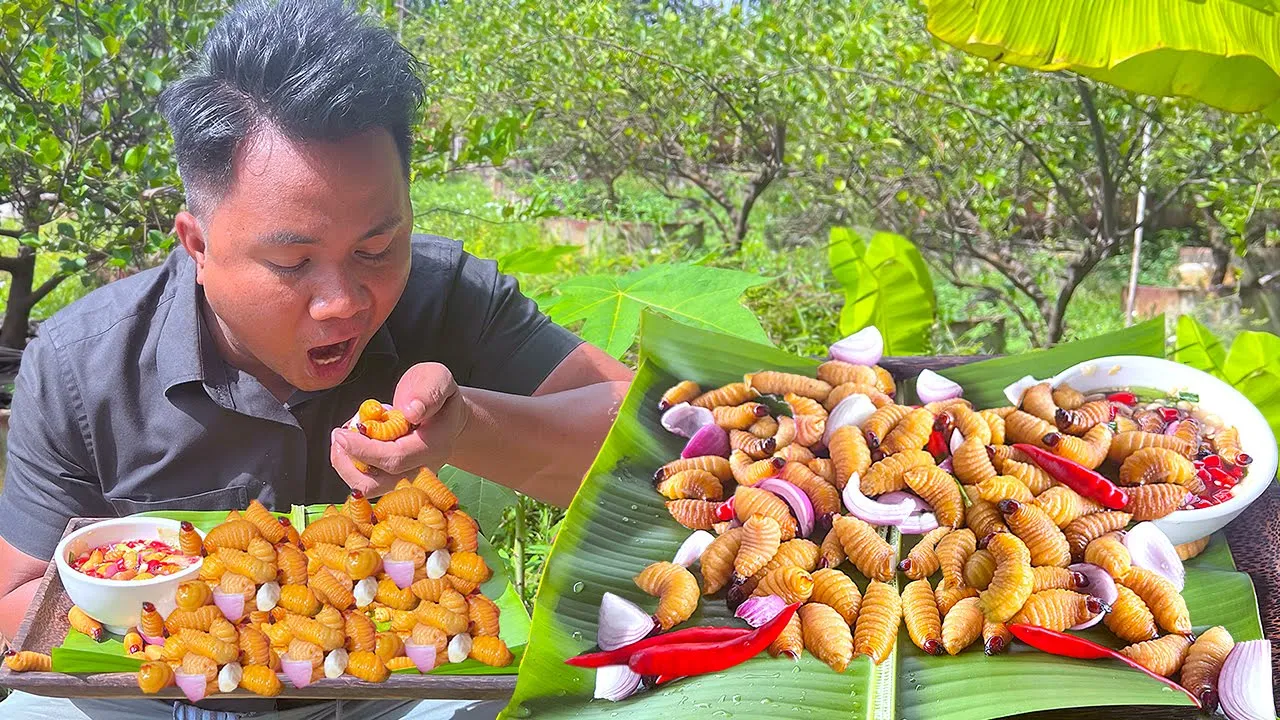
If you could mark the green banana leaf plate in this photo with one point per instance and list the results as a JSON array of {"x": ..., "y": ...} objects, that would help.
[
  {"x": 80, "y": 654},
  {"x": 617, "y": 525}
]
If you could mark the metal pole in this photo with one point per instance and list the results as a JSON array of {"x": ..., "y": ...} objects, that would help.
[{"x": 1139, "y": 223}]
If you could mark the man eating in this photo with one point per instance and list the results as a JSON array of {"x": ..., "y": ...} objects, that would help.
[{"x": 228, "y": 373}]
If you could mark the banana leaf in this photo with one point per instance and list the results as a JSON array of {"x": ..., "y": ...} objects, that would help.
[
  {"x": 1220, "y": 52},
  {"x": 80, "y": 654},
  {"x": 617, "y": 525}
]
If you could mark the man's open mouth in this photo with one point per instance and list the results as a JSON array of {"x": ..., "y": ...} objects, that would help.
[{"x": 329, "y": 354}]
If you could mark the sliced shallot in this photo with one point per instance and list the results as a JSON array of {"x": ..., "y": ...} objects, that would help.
[
  {"x": 622, "y": 622},
  {"x": 400, "y": 571},
  {"x": 1100, "y": 585},
  {"x": 868, "y": 510},
  {"x": 684, "y": 419},
  {"x": 919, "y": 524},
  {"x": 231, "y": 604},
  {"x": 691, "y": 549},
  {"x": 932, "y": 387},
  {"x": 800, "y": 504},
  {"x": 423, "y": 656},
  {"x": 1244, "y": 685},
  {"x": 707, "y": 440},
  {"x": 864, "y": 347},
  {"x": 616, "y": 682},
  {"x": 897, "y": 496},
  {"x": 299, "y": 672},
  {"x": 760, "y": 609},
  {"x": 1152, "y": 549},
  {"x": 853, "y": 410},
  {"x": 193, "y": 685}
]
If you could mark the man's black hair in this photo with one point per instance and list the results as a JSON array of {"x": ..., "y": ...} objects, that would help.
[{"x": 310, "y": 69}]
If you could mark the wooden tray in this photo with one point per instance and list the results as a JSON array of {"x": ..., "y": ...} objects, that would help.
[{"x": 45, "y": 627}]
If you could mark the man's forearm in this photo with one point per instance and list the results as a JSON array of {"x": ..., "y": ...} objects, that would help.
[
  {"x": 540, "y": 446},
  {"x": 13, "y": 607}
]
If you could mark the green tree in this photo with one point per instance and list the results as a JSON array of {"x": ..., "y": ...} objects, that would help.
[{"x": 84, "y": 157}]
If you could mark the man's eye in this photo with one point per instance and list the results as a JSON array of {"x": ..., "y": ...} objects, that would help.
[
  {"x": 375, "y": 256},
  {"x": 286, "y": 269}
]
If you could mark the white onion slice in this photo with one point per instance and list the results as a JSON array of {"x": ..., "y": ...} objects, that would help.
[
  {"x": 335, "y": 663},
  {"x": 1152, "y": 549},
  {"x": 868, "y": 510},
  {"x": 864, "y": 347},
  {"x": 267, "y": 598},
  {"x": 1015, "y": 391},
  {"x": 691, "y": 549},
  {"x": 616, "y": 682},
  {"x": 684, "y": 419},
  {"x": 760, "y": 609},
  {"x": 932, "y": 387},
  {"x": 1101, "y": 586},
  {"x": 459, "y": 647},
  {"x": 622, "y": 622},
  {"x": 366, "y": 590},
  {"x": 957, "y": 439},
  {"x": 853, "y": 410},
  {"x": 1244, "y": 686},
  {"x": 438, "y": 564},
  {"x": 919, "y": 524},
  {"x": 229, "y": 677},
  {"x": 800, "y": 504}
]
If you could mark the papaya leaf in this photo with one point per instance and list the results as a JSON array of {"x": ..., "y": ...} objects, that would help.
[
  {"x": 535, "y": 260},
  {"x": 886, "y": 284},
  {"x": 609, "y": 306},
  {"x": 1253, "y": 368},
  {"x": 1198, "y": 347}
]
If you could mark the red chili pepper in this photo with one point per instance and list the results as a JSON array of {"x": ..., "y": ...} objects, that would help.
[
  {"x": 1170, "y": 414},
  {"x": 1212, "y": 461},
  {"x": 1065, "y": 645},
  {"x": 1218, "y": 474},
  {"x": 688, "y": 635},
  {"x": 1124, "y": 398},
  {"x": 937, "y": 445},
  {"x": 724, "y": 511},
  {"x": 1089, "y": 483},
  {"x": 684, "y": 659}
]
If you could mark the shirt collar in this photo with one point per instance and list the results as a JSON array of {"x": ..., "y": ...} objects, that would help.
[{"x": 184, "y": 349}]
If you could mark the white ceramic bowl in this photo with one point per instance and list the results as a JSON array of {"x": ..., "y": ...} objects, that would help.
[
  {"x": 117, "y": 604},
  {"x": 1216, "y": 397}
]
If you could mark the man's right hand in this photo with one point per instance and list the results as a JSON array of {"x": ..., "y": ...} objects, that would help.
[{"x": 19, "y": 576}]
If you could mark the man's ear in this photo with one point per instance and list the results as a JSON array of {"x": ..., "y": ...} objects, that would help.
[{"x": 192, "y": 237}]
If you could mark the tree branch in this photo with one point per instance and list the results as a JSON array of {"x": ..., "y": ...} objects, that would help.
[
  {"x": 10, "y": 233},
  {"x": 1107, "y": 201}
]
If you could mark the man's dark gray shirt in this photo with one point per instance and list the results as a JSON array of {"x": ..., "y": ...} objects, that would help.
[{"x": 123, "y": 404}]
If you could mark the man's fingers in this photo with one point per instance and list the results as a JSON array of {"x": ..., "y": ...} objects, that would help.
[
  {"x": 350, "y": 474},
  {"x": 423, "y": 390},
  {"x": 395, "y": 456}
]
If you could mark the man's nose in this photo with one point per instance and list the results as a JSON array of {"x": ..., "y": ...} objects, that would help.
[{"x": 338, "y": 296}]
